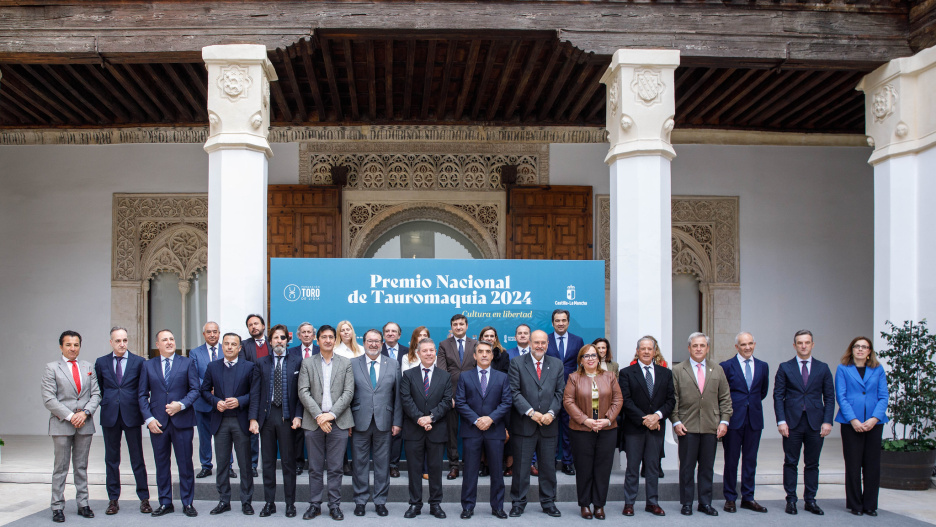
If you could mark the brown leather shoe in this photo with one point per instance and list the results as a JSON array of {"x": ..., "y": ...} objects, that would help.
[
  {"x": 599, "y": 513},
  {"x": 508, "y": 472},
  {"x": 145, "y": 507},
  {"x": 730, "y": 507},
  {"x": 753, "y": 506},
  {"x": 534, "y": 471},
  {"x": 453, "y": 474},
  {"x": 112, "y": 508},
  {"x": 586, "y": 513},
  {"x": 628, "y": 510},
  {"x": 654, "y": 510},
  {"x": 425, "y": 476}
]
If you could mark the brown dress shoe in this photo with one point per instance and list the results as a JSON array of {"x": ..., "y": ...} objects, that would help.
[
  {"x": 586, "y": 513},
  {"x": 112, "y": 508},
  {"x": 599, "y": 513},
  {"x": 628, "y": 510},
  {"x": 753, "y": 506},
  {"x": 534, "y": 471},
  {"x": 730, "y": 507},
  {"x": 508, "y": 472},
  {"x": 655, "y": 510},
  {"x": 145, "y": 507},
  {"x": 453, "y": 474}
]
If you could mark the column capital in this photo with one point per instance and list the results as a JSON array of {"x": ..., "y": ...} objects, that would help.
[
  {"x": 900, "y": 106},
  {"x": 239, "y": 77},
  {"x": 641, "y": 102}
]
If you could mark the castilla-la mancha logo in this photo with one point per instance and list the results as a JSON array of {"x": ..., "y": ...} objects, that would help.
[
  {"x": 570, "y": 292},
  {"x": 293, "y": 292}
]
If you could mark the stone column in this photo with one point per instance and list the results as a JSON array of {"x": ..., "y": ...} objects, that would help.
[
  {"x": 640, "y": 110},
  {"x": 239, "y": 78},
  {"x": 900, "y": 120}
]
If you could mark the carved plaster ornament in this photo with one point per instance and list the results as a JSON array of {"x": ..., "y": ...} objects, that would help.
[
  {"x": 256, "y": 120},
  {"x": 614, "y": 95},
  {"x": 883, "y": 103},
  {"x": 214, "y": 123},
  {"x": 668, "y": 128},
  {"x": 234, "y": 82},
  {"x": 626, "y": 122},
  {"x": 902, "y": 130},
  {"x": 647, "y": 86},
  {"x": 266, "y": 94},
  {"x": 870, "y": 141}
]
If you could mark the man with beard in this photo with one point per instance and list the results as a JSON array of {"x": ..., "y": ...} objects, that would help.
[{"x": 256, "y": 347}]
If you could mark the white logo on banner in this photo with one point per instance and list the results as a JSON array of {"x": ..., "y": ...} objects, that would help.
[
  {"x": 293, "y": 292},
  {"x": 570, "y": 292}
]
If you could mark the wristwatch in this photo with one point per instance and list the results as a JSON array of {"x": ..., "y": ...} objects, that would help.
[{"x": 87, "y": 413}]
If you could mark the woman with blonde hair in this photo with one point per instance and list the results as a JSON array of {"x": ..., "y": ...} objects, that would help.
[{"x": 348, "y": 346}]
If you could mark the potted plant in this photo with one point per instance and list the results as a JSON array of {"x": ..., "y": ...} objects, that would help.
[{"x": 909, "y": 455}]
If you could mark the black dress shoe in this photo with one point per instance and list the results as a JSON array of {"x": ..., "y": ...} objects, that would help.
[
  {"x": 203, "y": 473},
  {"x": 707, "y": 509},
  {"x": 85, "y": 512},
  {"x": 466, "y": 514},
  {"x": 298, "y": 470},
  {"x": 516, "y": 511},
  {"x": 145, "y": 507},
  {"x": 381, "y": 510},
  {"x": 290, "y": 510},
  {"x": 232, "y": 474},
  {"x": 394, "y": 472},
  {"x": 436, "y": 510},
  {"x": 255, "y": 472},
  {"x": 552, "y": 511},
  {"x": 348, "y": 471},
  {"x": 730, "y": 507},
  {"x": 753, "y": 506},
  {"x": 485, "y": 471},
  {"x": 453, "y": 473},
  {"x": 412, "y": 512},
  {"x": 219, "y": 508},
  {"x": 311, "y": 512},
  {"x": 856, "y": 512},
  {"x": 656, "y": 510},
  {"x": 112, "y": 508},
  {"x": 359, "y": 509},
  {"x": 247, "y": 509},
  {"x": 164, "y": 509},
  {"x": 336, "y": 513},
  {"x": 790, "y": 507},
  {"x": 568, "y": 470},
  {"x": 499, "y": 514},
  {"x": 268, "y": 509},
  {"x": 58, "y": 516},
  {"x": 189, "y": 510},
  {"x": 871, "y": 512},
  {"x": 686, "y": 510},
  {"x": 812, "y": 507}
]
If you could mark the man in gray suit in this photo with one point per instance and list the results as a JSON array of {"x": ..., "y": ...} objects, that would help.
[
  {"x": 326, "y": 387},
  {"x": 71, "y": 393},
  {"x": 377, "y": 418},
  {"x": 536, "y": 384}
]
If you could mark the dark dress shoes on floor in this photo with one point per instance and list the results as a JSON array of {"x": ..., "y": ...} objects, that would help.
[
  {"x": 203, "y": 473},
  {"x": 381, "y": 510},
  {"x": 466, "y": 514},
  {"x": 336, "y": 514},
  {"x": 812, "y": 507},
  {"x": 484, "y": 471},
  {"x": 453, "y": 473},
  {"x": 346, "y": 468},
  {"x": 290, "y": 510},
  {"x": 85, "y": 512},
  {"x": 58, "y": 516},
  {"x": 686, "y": 510},
  {"x": 568, "y": 470},
  {"x": 232, "y": 474},
  {"x": 856, "y": 512},
  {"x": 394, "y": 472},
  {"x": 164, "y": 509},
  {"x": 871, "y": 512},
  {"x": 599, "y": 513},
  {"x": 552, "y": 511},
  {"x": 790, "y": 507},
  {"x": 753, "y": 506},
  {"x": 112, "y": 508},
  {"x": 255, "y": 473},
  {"x": 311, "y": 512},
  {"x": 412, "y": 512},
  {"x": 516, "y": 512},
  {"x": 707, "y": 509},
  {"x": 508, "y": 472},
  {"x": 655, "y": 510},
  {"x": 268, "y": 510},
  {"x": 730, "y": 507},
  {"x": 219, "y": 508},
  {"x": 189, "y": 510},
  {"x": 436, "y": 510},
  {"x": 359, "y": 509},
  {"x": 145, "y": 507},
  {"x": 299, "y": 471},
  {"x": 628, "y": 510},
  {"x": 247, "y": 509},
  {"x": 534, "y": 471},
  {"x": 499, "y": 514}
]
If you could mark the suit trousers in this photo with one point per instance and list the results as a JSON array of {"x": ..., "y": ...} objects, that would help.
[
  {"x": 364, "y": 445},
  {"x": 564, "y": 446},
  {"x": 134, "y": 435},
  {"x": 254, "y": 450},
  {"x": 74, "y": 450},
  {"x": 740, "y": 444},
  {"x": 396, "y": 449},
  {"x": 427, "y": 453},
  {"x": 178, "y": 440},
  {"x": 643, "y": 447},
  {"x": 696, "y": 450},
  {"x": 230, "y": 435},
  {"x": 326, "y": 454},
  {"x": 593, "y": 453},
  {"x": 203, "y": 420},
  {"x": 494, "y": 450},
  {"x": 862, "y": 462},
  {"x": 805, "y": 438},
  {"x": 277, "y": 435},
  {"x": 299, "y": 447},
  {"x": 452, "y": 444},
  {"x": 524, "y": 448}
]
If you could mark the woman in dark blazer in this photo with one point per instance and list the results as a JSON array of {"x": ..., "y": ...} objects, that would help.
[
  {"x": 861, "y": 392},
  {"x": 592, "y": 398}
]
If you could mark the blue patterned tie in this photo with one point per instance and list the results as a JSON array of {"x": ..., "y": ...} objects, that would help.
[
  {"x": 483, "y": 382},
  {"x": 426, "y": 381},
  {"x": 748, "y": 376},
  {"x": 214, "y": 353},
  {"x": 461, "y": 351},
  {"x": 166, "y": 368},
  {"x": 373, "y": 375},
  {"x": 562, "y": 347}
]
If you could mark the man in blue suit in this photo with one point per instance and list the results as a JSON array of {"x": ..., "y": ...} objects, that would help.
[
  {"x": 306, "y": 348},
  {"x": 202, "y": 355},
  {"x": 168, "y": 389},
  {"x": 804, "y": 401},
  {"x": 483, "y": 400},
  {"x": 748, "y": 379},
  {"x": 118, "y": 376},
  {"x": 230, "y": 387},
  {"x": 396, "y": 351},
  {"x": 522, "y": 338},
  {"x": 565, "y": 347}
]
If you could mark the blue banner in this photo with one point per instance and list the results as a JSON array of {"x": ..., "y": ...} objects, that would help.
[{"x": 427, "y": 292}]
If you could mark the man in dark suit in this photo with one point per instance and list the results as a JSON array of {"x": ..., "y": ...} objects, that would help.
[
  {"x": 396, "y": 351},
  {"x": 565, "y": 347},
  {"x": 536, "y": 385},
  {"x": 378, "y": 417},
  {"x": 202, "y": 355},
  {"x": 306, "y": 348},
  {"x": 649, "y": 398},
  {"x": 483, "y": 401},
  {"x": 426, "y": 397},
  {"x": 168, "y": 389},
  {"x": 456, "y": 354},
  {"x": 118, "y": 376},
  {"x": 230, "y": 387},
  {"x": 276, "y": 415},
  {"x": 253, "y": 348},
  {"x": 804, "y": 401},
  {"x": 522, "y": 338},
  {"x": 748, "y": 379}
]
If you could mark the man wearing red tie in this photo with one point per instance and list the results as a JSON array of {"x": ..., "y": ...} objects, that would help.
[{"x": 304, "y": 350}]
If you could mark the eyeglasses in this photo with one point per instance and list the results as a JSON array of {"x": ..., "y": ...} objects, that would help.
[
  {"x": 861, "y": 347},
  {"x": 590, "y": 356}
]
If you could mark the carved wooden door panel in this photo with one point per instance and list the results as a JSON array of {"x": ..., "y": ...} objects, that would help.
[{"x": 551, "y": 222}]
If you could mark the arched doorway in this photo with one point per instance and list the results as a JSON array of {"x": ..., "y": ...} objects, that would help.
[{"x": 423, "y": 239}]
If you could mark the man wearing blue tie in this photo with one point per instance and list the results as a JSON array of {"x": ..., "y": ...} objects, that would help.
[
  {"x": 396, "y": 351},
  {"x": 455, "y": 355},
  {"x": 748, "y": 379},
  {"x": 522, "y": 338},
  {"x": 202, "y": 355},
  {"x": 565, "y": 347}
]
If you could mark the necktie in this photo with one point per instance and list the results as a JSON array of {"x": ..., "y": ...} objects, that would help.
[
  {"x": 562, "y": 347},
  {"x": 426, "y": 381},
  {"x": 649, "y": 378},
  {"x": 373, "y": 375},
  {"x": 167, "y": 365},
  {"x": 483, "y": 382},
  {"x": 539, "y": 371},
  {"x": 214, "y": 353},
  {"x": 748, "y": 376},
  {"x": 700, "y": 376},
  {"x": 76, "y": 375},
  {"x": 461, "y": 351},
  {"x": 307, "y": 353},
  {"x": 228, "y": 364},
  {"x": 805, "y": 374},
  {"x": 119, "y": 370},
  {"x": 278, "y": 382},
  {"x": 392, "y": 353}
]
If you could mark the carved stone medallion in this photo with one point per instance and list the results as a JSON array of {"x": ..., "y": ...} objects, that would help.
[
  {"x": 647, "y": 85},
  {"x": 234, "y": 82}
]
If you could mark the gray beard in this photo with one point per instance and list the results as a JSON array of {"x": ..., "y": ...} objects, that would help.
[{"x": 279, "y": 350}]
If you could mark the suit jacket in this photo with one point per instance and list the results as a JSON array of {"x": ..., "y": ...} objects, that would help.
[
  {"x": 222, "y": 382},
  {"x": 311, "y": 390},
  {"x": 202, "y": 356},
  {"x": 301, "y": 354},
  {"x": 417, "y": 404},
  {"x": 745, "y": 402},
  {"x": 119, "y": 399},
  {"x": 572, "y": 346},
  {"x": 701, "y": 413},
  {"x": 183, "y": 387},
  {"x": 791, "y": 397},
  {"x": 62, "y": 398},
  {"x": 447, "y": 358},
  {"x": 577, "y": 399},
  {"x": 260, "y": 406},
  {"x": 249, "y": 349},
  {"x": 495, "y": 403},
  {"x": 541, "y": 394},
  {"x": 514, "y": 352},
  {"x": 861, "y": 398},
  {"x": 381, "y": 404},
  {"x": 638, "y": 402},
  {"x": 401, "y": 351}
]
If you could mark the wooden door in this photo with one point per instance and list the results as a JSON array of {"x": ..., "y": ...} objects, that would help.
[{"x": 550, "y": 222}]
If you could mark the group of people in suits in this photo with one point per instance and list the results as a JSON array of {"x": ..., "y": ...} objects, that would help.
[{"x": 558, "y": 398}]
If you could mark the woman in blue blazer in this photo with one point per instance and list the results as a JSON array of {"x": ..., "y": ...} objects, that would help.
[{"x": 861, "y": 392}]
